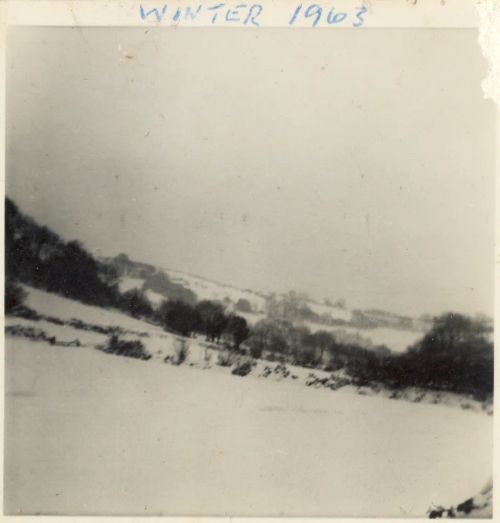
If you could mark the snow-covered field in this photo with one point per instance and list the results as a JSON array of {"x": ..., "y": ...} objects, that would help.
[{"x": 92, "y": 433}]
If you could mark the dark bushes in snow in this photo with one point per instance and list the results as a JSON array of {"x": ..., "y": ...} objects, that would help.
[
  {"x": 242, "y": 368},
  {"x": 35, "y": 334},
  {"x": 129, "y": 348}
]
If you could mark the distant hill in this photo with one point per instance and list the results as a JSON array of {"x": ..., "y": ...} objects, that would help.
[
  {"x": 163, "y": 283},
  {"x": 39, "y": 257},
  {"x": 154, "y": 282},
  {"x": 368, "y": 328}
]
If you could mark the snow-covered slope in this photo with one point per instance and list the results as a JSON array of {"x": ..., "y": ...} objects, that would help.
[
  {"x": 337, "y": 313},
  {"x": 210, "y": 290},
  {"x": 90, "y": 433},
  {"x": 54, "y": 305},
  {"x": 126, "y": 284},
  {"x": 370, "y": 327}
]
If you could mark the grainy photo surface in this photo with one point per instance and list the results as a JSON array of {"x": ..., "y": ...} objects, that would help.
[{"x": 248, "y": 273}]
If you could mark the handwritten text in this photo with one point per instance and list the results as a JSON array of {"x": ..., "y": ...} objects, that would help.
[{"x": 252, "y": 15}]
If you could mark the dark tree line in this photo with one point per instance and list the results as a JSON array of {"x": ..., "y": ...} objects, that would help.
[
  {"x": 207, "y": 318},
  {"x": 285, "y": 341},
  {"x": 37, "y": 256},
  {"x": 455, "y": 355}
]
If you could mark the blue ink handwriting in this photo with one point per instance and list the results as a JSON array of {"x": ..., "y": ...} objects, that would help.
[
  {"x": 312, "y": 15},
  {"x": 245, "y": 14},
  {"x": 316, "y": 14}
]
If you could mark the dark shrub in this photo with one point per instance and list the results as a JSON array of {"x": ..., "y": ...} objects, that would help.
[
  {"x": 212, "y": 319},
  {"x": 26, "y": 332},
  {"x": 129, "y": 348},
  {"x": 242, "y": 368},
  {"x": 281, "y": 370},
  {"x": 237, "y": 329},
  {"x": 178, "y": 317},
  {"x": 135, "y": 303},
  {"x": 256, "y": 351}
]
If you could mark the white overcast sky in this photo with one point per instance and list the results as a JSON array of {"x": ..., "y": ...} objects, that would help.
[{"x": 355, "y": 164}]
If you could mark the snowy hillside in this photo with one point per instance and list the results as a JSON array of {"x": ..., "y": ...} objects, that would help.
[
  {"x": 337, "y": 313},
  {"x": 210, "y": 290},
  {"x": 369, "y": 328},
  {"x": 92, "y": 433}
]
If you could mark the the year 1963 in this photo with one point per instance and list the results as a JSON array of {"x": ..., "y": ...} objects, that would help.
[{"x": 317, "y": 14}]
